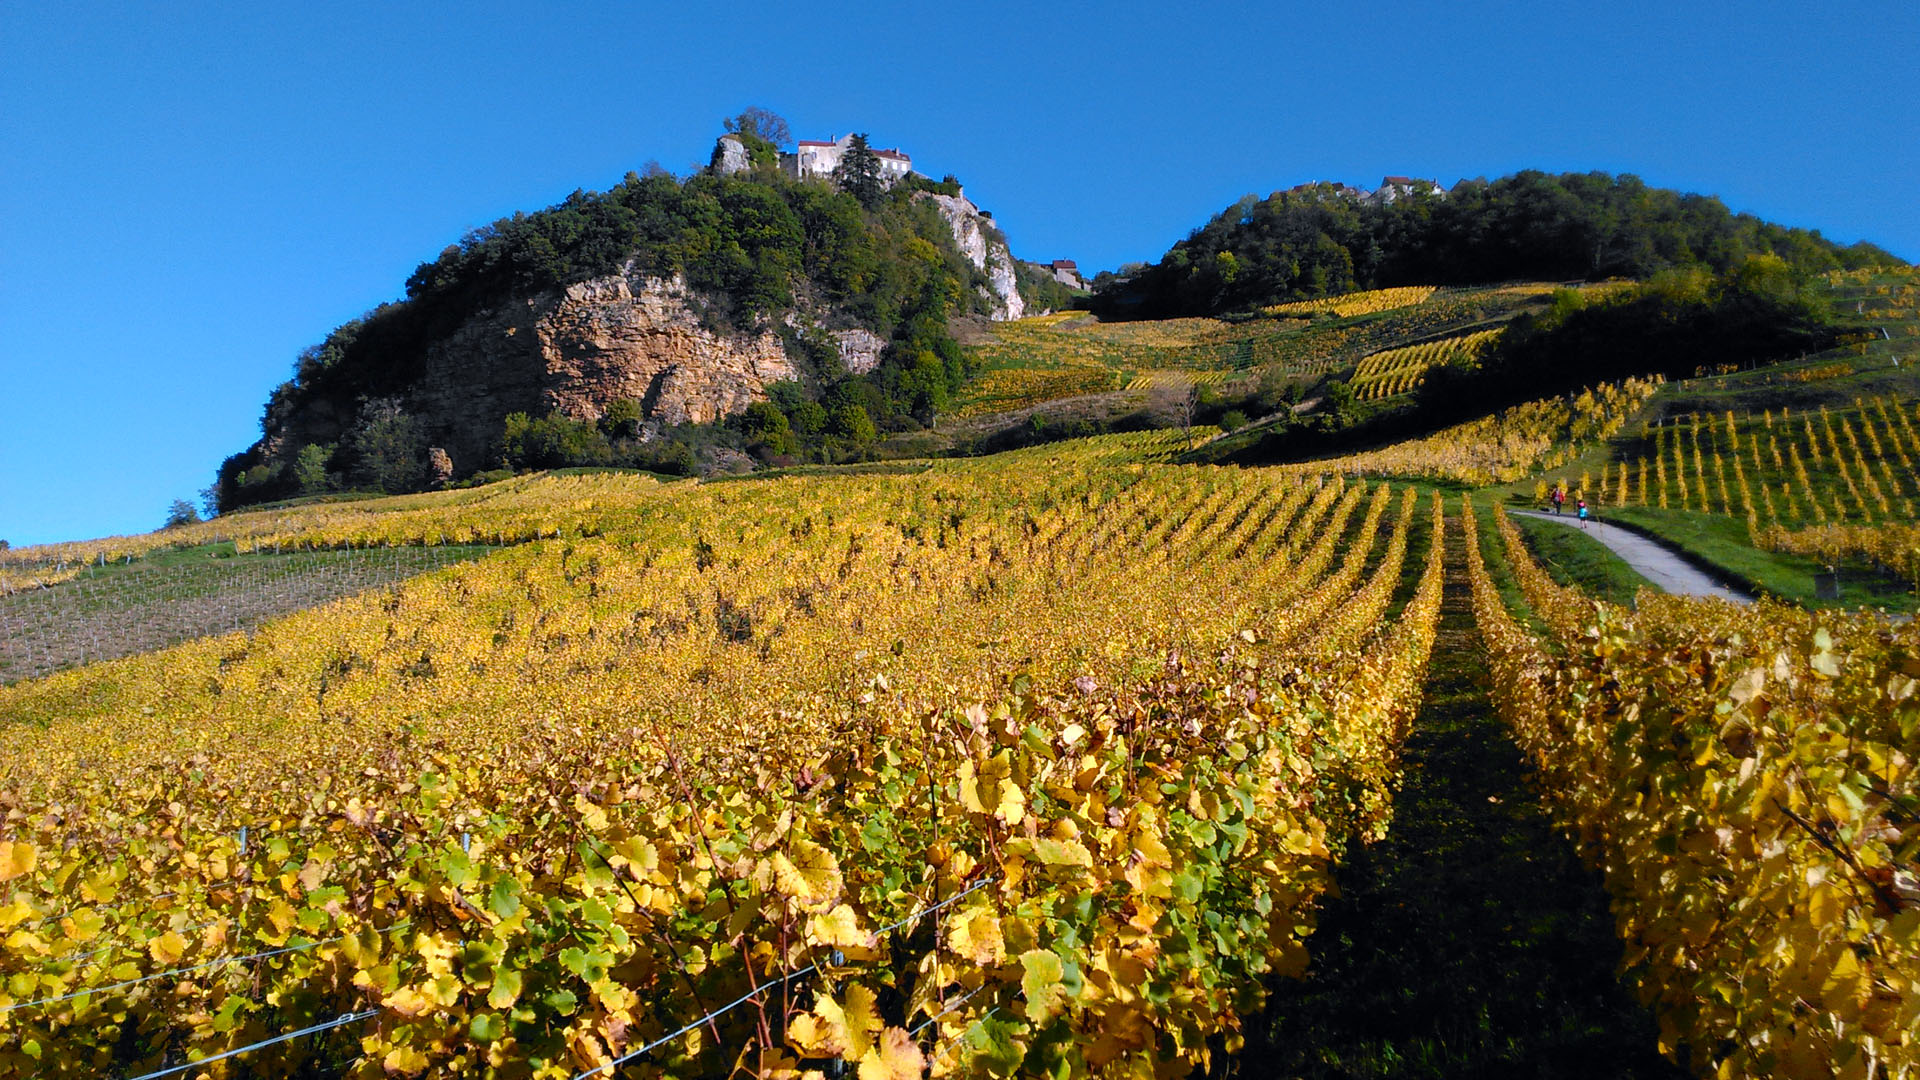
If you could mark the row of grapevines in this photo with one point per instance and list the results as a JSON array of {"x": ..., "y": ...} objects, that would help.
[
  {"x": 1745, "y": 780},
  {"x": 535, "y": 812},
  {"x": 1507, "y": 446},
  {"x": 1396, "y": 371},
  {"x": 1358, "y": 303}
]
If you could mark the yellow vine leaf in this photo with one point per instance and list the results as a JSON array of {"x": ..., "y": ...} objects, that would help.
[
  {"x": 810, "y": 874},
  {"x": 404, "y": 1061},
  {"x": 860, "y": 1018},
  {"x": 168, "y": 948},
  {"x": 839, "y": 927},
  {"x": 894, "y": 1057},
  {"x": 13, "y": 913},
  {"x": 976, "y": 936},
  {"x": 815, "y": 1035},
  {"x": 408, "y": 1001},
  {"x": 506, "y": 989},
  {"x": 1041, "y": 984},
  {"x": 17, "y": 858},
  {"x": 986, "y": 788}
]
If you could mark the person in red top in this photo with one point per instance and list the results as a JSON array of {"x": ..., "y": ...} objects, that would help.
[{"x": 1559, "y": 498}]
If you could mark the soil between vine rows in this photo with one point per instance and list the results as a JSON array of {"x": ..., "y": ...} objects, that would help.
[{"x": 1470, "y": 942}]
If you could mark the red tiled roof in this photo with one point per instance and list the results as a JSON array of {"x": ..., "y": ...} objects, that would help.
[
  {"x": 894, "y": 154},
  {"x": 1065, "y": 264},
  {"x": 816, "y": 142},
  {"x": 1402, "y": 180}
]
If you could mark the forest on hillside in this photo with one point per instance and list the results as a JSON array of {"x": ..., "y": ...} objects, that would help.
[{"x": 1321, "y": 240}]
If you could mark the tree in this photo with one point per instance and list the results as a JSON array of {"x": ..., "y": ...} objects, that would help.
[
  {"x": 761, "y": 124},
  {"x": 852, "y": 423},
  {"x": 181, "y": 513},
  {"x": 389, "y": 447},
  {"x": 310, "y": 467},
  {"x": 859, "y": 173}
]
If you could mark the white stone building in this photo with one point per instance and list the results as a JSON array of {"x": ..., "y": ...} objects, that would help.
[
  {"x": 1399, "y": 187},
  {"x": 813, "y": 157}
]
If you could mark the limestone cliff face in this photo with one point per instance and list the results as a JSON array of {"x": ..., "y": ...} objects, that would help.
[
  {"x": 576, "y": 351},
  {"x": 985, "y": 250}
]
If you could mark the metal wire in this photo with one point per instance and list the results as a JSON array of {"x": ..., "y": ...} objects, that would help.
[
  {"x": 771, "y": 983},
  {"x": 968, "y": 996},
  {"x": 721, "y": 1011},
  {"x": 221, "y": 962},
  {"x": 338, "y": 1021},
  {"x": 975, "y": 887}
]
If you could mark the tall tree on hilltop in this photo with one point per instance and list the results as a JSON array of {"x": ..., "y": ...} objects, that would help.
[
  {"x": 762, "y": 124},
  {"x": 859, "y": 173}
]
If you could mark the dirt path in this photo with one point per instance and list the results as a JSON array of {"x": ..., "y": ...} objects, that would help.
[
  {"x": 1470, "y": 942},
  {"x": 1655, "y": 562}
]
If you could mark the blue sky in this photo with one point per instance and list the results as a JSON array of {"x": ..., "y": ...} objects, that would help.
[{"x": 193, "y": 192}]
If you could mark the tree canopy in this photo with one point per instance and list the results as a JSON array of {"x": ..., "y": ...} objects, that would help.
[
  {"x": 1319, "y": 240},
  {"x": 859, "y": 173}
]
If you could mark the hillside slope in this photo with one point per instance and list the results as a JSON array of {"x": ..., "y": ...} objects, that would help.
[{"x": 627, "y": 320}]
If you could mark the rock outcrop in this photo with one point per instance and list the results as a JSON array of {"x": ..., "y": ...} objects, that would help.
[
  {"x": 859, "y": 350},
  {"x": 984, "y": 247},
  {"x": 730, "y": 156},
  {"x": 578, "y": 350}
]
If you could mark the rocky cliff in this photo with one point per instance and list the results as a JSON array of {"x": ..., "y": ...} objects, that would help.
[
  {"x": 986, "y": 249},
  {"x": 578, "y": 350}
]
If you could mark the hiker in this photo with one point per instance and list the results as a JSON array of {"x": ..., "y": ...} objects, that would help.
[
  {"x": 1559, "y": 498},
  {"x": 1583, "y": 513}
]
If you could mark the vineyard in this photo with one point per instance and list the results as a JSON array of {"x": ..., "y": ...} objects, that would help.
[
  {"x": 1838, "y": 484},
  {"x": 1045, "y": 762},
  {"x": 1358, "y": 303},
  {"x": 1504, "y": 447},
  {"x": 1783, "y": 468},
  {"x": 1064, "y": 354},
  {"x": 1398, "y": 371},
  {"x": 1744, "y": 779},
  {"x": 941, "y": 772},
  {"x": 107, "y": 612}
]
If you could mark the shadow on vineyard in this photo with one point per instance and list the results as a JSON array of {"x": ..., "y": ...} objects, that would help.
[{"x": 1470, "y": 941}]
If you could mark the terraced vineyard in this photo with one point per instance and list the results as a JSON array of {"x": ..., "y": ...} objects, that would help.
[
  {"x": 1397, "y": 371},
  {"x": 1357, "y": 303},
  {"x": 1507, "y": 446},
  {"x": 1065, "y": 354},
  {"x": 1835, "y": 483},
  {"x": 1037, "y": 759}
]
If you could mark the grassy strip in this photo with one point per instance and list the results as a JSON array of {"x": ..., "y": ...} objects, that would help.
[
  {"x": 1719, "y": 544},
  {"x": 1575, "y": 558},
  {"x": 1468, "y": 942}
]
